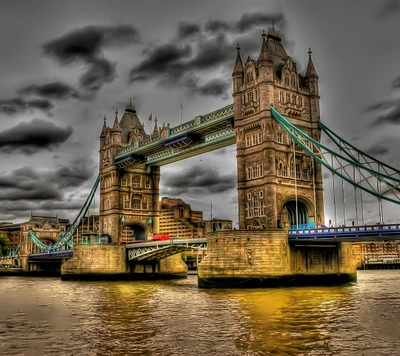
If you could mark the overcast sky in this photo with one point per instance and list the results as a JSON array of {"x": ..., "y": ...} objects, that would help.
[{"x": 66, "y": 64}]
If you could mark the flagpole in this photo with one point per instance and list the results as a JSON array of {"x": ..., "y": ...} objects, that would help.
[{"x": 181, "y": 113}]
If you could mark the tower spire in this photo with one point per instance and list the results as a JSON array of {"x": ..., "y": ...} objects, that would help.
[
  {"x": 104, "y": 129},
  {"x": 238, "y": 68},
  {"x": 264, "y": 54},
  {"x": 310, "y": 66},
  {"x": 116, "y": 124}
]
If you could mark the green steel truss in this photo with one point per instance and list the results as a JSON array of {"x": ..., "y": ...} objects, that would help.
[
  {"x": 214, "y": 130},
  {"x": 65, "y": 239},
  {"x": 350, "y": 164}
]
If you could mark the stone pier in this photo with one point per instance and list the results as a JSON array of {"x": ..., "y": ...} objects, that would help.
[
  {"x": 91, "y": 262},
  {"x": 265, "y": 258}
]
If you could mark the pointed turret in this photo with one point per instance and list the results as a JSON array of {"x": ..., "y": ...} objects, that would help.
[
  {"x": 311, "y": 81},
  {"x": 155, "y": 131},
  {"x": 264, "y": 57},
  {"x": 116, "y": 126},
  {"x": 104, "y": 129},
  {"x": 310, "y": 67},
  {"x": 238, "y": 71},
  {"x": 264, "y": 61},
  {"x": 238, "y": 68}
]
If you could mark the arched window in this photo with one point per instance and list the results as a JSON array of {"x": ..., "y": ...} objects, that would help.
[
  {"x": 293, "y": 81},
  {"x": 286, "y": 80}
]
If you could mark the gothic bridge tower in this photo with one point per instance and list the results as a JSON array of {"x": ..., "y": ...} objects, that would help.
[
  {"x": 129, "y": 193},
  {"x": 278, "y": 183}
]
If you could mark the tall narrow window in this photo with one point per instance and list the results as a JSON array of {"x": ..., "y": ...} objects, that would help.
[{"x": 136, "y": 182}]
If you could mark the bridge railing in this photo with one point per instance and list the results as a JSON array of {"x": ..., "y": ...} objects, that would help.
[{"x": 347, "y": 230}]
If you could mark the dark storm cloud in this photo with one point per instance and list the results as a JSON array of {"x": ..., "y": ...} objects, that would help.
[
  {"x": 245, "y": 23},
  {"x": 76, "y": 173},
  {"x": 164, "y": 59},
  {"x": 382, "y": 105},
  {"x": 215, "y": 87},
  {"x": 392, "y": 117},
  {"x": 378, "y": 150},
  {"x": 199, "y": 179},
  {"x": 86, "y": 43},
  {"x": 100, "y": 71},
  {"x": 388, "y": 8},
  {"x": 55, "y": 90},
  {"x": 19, "y": 105},
  {"x": 27, "y": 184},
  {"x": 200, "y": 48},
  {"x": 30, "y": 137},
  {"x": 396, "y": 83},
  {"x": 210, "y": 53},
  {"x": 186, "y": 30}
]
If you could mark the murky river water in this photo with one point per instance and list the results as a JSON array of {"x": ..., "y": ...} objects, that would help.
[{"x": 47, "y": 316}]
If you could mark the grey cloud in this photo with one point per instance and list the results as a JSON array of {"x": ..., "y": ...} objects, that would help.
[
  {"x": 382, "y": 105},
  {"x": 245, "y": 23},
  {"x": 100, "y": 71},
  {"x": 163, "y": 59},
  {"x": 26, "y": 184},
  {"x": 396, "y": 83},
  {"x": 53, "y": 90},
  {"x": 199, "y": 180},
  {"x": 76, "y": 173},
  {"x": 86, "y": 43},
  {"x": 186, "y": 30},
  {"x": 202, "y": 51},
  {"x": 378, "y": 150},
  {"x": 30, "y": 137},
  {"x": 215, "y": 87},
  {"x": 392, "y": 117},
  {"x": 389, "y": 8},
  {"x": 20, "y": 105}
]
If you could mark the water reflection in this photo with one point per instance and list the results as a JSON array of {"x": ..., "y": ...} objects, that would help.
[{"x": 53, "y": 317}]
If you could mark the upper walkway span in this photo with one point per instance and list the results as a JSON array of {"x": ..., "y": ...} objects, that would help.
[{"x": 202, "y": 134}]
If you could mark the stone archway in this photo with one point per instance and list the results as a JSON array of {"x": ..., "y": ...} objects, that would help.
[
  {"x": 133, "y": 232},
  {"x": 298, "y": 214}
]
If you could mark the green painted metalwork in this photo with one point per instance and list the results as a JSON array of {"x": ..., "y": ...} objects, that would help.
[
  {"x": 212, "y": 141},
  {"x": 369, "y": 180},
  {"x": 199, "y": 124},
  {"x": 65, "y": 238}
]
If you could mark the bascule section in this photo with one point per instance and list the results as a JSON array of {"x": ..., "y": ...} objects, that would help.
[{"x": 279, "y": 184}]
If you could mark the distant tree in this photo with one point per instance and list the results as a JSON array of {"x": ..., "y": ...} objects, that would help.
[{"x": 4, "y": 245}]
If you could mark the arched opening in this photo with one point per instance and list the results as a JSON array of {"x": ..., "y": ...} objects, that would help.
[
  {"x": 133, "y": 232},
  {"x": 298, "y": 215}
]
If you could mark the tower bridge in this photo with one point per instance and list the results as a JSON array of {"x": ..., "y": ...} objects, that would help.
[{"x": 274, "y": 122}]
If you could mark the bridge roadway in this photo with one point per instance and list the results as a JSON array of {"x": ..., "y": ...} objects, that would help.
[{"x": 157, "y": 250}]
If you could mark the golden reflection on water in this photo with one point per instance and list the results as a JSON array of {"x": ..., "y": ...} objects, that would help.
[{"x": 52, "y": 317}]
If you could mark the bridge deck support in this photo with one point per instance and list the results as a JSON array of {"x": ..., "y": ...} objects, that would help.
[
  {"x": 264, "y": 258},
  {"x": 91, "y": 262}
]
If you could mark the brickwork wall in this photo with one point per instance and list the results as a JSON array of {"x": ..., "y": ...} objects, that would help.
[
  {"x": 96, "y": 259},
  {"x": 246, "y": 253}
]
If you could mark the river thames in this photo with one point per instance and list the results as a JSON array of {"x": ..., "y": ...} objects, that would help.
[{"x": 47, "y": 316}]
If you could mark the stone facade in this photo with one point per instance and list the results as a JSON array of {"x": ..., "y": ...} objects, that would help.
[
  {"x": 265, "y": 258},
  {"x": 276, "y": 179},
  {"x": 129, "y": 195}
]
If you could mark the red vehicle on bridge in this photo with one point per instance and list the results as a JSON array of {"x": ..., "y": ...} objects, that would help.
[{"x": 160, "y": 237}]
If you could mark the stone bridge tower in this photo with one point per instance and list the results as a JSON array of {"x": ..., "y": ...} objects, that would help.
[
  {"x": 278, "y": 183},
  {"x": 129, "y": 192}
]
